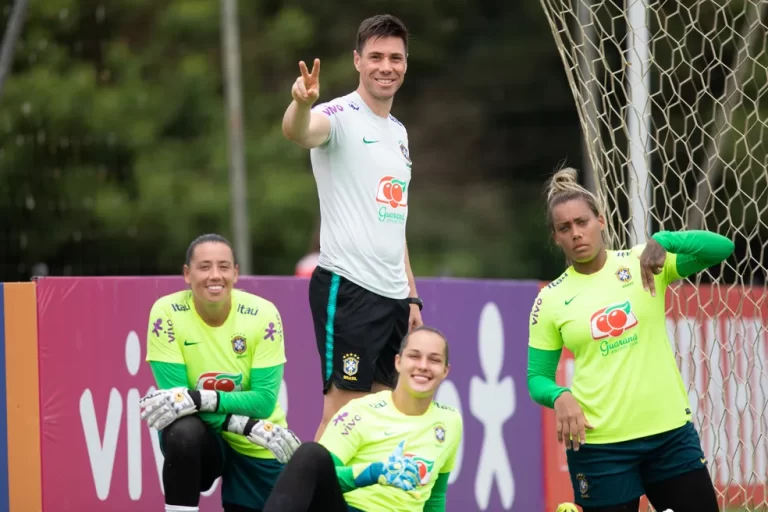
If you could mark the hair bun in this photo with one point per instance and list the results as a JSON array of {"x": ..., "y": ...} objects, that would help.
[{"x": 564, "y": 180}]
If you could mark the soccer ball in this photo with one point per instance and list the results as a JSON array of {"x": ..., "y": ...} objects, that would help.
[{"x": 567, "y": 507}]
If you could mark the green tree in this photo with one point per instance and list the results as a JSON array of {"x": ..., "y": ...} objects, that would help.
[{"x": 113, "y": 149}]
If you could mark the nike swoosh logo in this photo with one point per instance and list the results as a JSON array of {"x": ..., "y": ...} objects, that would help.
[
  {"x": 389, "y": 433},
  {"x": 369, "y": 141},
  {"x": 570, "y": 300},
  {"x": 188, "y": 343}
]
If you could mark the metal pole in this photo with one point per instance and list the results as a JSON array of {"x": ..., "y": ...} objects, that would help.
[
  {"x": 12, "y": 31},
  {"x": 639, "y": 120},
  {"x": 589, "y": 93},
  {"x": 237, "y": 185}
]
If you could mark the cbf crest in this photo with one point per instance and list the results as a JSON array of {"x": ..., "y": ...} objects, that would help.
[
  {"x": 406, "y": 154},
  {"x": 239, "y": 345},
  {"x": 624, "y": 275},
  {"x": 583, "y": 485},
  {"x": 351, "y": 365},
  {"x": 440, "y": 433}
]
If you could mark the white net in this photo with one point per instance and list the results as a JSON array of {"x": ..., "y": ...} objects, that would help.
[{"x": 673, "y": 102}]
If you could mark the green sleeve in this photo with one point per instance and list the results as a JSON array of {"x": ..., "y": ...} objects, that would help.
[
  {"x": 174, "y": 375},
  {"x": 436, "y": 501},
  {"x": 696, "y": 250},
  {"x": 346, "y": 478},
  {"x": 344, "y": 474},
  {"x": 259, "y": 402},
  {"x": 542, "y": 369},
  {"x": 169, "y": 375},
  {"x": 357, "y": 475}
]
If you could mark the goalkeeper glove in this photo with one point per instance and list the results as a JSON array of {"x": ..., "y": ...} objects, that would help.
[
  {"x": 396, "y": 471},
  {"x": 567, "y": 507},
  {"x": 162, "y": 407},
  {"x": 278, "y": 440}
]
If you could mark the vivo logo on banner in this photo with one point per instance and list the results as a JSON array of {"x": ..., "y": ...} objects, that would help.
[{"x": 102, "y": 438}]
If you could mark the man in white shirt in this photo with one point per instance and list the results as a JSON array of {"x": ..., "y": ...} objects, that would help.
[{"x": 362, "y": 293}]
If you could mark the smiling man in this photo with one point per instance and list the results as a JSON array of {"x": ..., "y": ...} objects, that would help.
[
  {"x": 391, "y": 451},
  {"x": 362, "y": 293},
  {"x": 217, "y": 355}
]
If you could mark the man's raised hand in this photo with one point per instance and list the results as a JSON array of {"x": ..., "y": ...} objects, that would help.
[{"x": 306, "y": 88}]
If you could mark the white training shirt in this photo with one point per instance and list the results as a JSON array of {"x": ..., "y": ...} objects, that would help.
[{"x": 363, "y": 175}]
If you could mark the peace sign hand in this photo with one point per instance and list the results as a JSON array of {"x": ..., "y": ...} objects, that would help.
[{"x": 306, "y": 88}]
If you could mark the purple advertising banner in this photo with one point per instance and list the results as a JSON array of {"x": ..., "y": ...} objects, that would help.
[{"x": 98, "y": 455}]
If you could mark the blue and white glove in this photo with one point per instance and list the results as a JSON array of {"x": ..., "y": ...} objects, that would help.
[
  {"x": 396, "y": 471},
  {"x": 278, "y": 440},
  {"x": 164, "y": 406}
]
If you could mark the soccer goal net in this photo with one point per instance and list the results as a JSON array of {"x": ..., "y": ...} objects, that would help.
[{"x": 672, "y": 98}]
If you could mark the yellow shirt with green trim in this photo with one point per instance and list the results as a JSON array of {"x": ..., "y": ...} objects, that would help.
[
  {"x": 220, "y": 358},
  {"x": 368, "y": 430},
  {"x": 625, "y": 374}
]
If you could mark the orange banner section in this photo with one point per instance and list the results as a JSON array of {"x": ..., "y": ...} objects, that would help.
[{"x": 22, "y": 394}]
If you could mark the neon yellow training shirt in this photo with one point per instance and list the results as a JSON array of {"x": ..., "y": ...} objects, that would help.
[
  {"x": 625, "y": 376},
  {"x": 220, "y": 358},
  {"x": 368, "y": 430}
]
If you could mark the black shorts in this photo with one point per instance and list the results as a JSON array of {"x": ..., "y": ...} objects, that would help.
[
  {"x": 358, "y": 332},
  {"x": 605, "y": 475}
]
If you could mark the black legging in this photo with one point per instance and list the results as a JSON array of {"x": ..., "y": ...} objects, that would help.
[
  {"x": 308, "y": 484},
  {"x": 689, "y": 492},
  {"x": 193, "y": 461}
]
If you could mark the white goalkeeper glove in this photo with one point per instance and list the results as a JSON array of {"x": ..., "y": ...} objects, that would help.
[
  {"x": 278, "y": 440},
  {"x": 164, "y": 406}
]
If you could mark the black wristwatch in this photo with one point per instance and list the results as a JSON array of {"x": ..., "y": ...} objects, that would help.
[{"x": 417, "y": 301}]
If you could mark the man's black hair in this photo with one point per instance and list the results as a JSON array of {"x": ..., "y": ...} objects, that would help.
[{"x": 381, "y": 25}]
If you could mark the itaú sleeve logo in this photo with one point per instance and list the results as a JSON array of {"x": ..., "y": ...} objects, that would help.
[
  {"x": 612, "y": 321},
  {"x": 392, "y": 191}
]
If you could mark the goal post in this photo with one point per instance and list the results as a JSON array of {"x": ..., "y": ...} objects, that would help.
[{"x": 672, "y": 98}]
